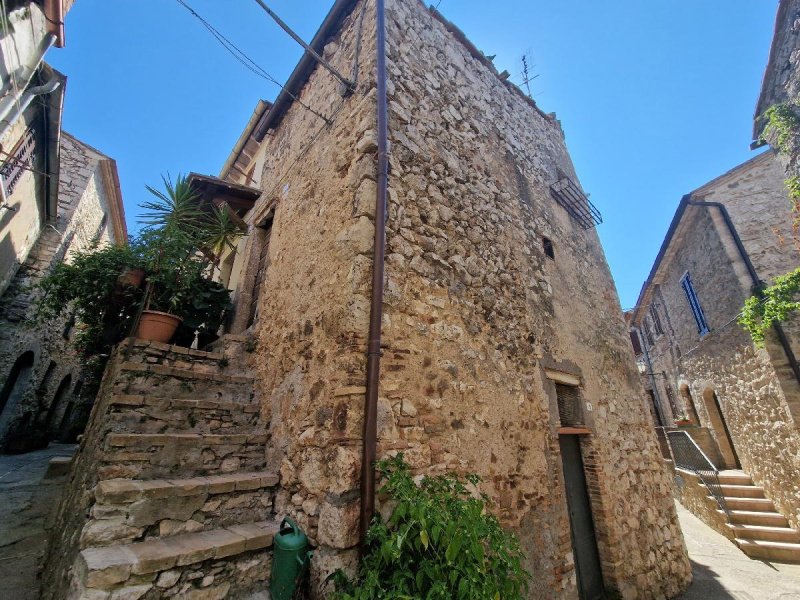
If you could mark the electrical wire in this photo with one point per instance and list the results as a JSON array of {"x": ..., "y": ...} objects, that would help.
[
  {"x": 280, "y": 181},
  {"x": 245, "y": 60}
]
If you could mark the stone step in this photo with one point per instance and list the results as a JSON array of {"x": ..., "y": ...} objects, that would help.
[
  {"x": 747, "y": 517},
  {"x": 767, "y": 534},
  {"x": 751, "y": 504},
  {"x": 773, "y": 551},
  {"x": 168, "y": 455},
  {"x": 177, "y": 382},
  {"x": 742, "y": 491},
  {"x": 128, "y": 510},
  {"x": 168, "y": 566},
  {"x": 148, "y": 414},
  {"x": 734, "y": 478}
]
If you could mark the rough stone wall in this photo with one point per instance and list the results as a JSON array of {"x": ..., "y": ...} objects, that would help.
[
  {"x": 31, "y": 414},
  {"x": 314, "y": 305},
  {"x": 153, "y": 388},
  {"x": 475, "y": 313},
  {"x": 750, "y": 392}
]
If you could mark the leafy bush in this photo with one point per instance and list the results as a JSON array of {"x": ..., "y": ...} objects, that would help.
[
  {"x": 440, "y": 543},
  {"x": 88, "y": 287},
  {"x": 773, "y": 304}
]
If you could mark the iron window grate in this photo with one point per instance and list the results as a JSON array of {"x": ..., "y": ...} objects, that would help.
[
  {"x": 576, "y": 203},
  {"x": 569, "y": 405}
]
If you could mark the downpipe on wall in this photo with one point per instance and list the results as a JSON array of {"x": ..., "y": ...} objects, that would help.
[{"x": 376, "y": 304}]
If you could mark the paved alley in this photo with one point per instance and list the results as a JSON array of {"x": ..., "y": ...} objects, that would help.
[
  {"x": 722, "y": 571},
  {"x": 25, "y": 502}
]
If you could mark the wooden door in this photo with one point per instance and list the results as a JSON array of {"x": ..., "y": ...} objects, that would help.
[
  {"x": 261, "y": 273},
  {"x": 584, "y": 543}
]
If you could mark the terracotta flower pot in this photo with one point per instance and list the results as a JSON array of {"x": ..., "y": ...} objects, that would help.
[
  {"x": 683, "y": 422},
  {"x": 157, "y": 326}
]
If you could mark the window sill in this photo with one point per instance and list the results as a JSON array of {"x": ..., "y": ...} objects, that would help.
[{"x": 580, "y": 430}]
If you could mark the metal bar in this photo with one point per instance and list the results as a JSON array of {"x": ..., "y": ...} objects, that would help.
[
  {"x": 343, "y": 80},
  {"x": 688, "y": 455},
  {"x": 376, "y": 304}
]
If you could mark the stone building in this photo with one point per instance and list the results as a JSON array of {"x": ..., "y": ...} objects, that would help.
[
  {"x": 781, "y": 82},
  {"x": 701, "y": 366},
  {"x": 503, "y": 350},
  {"x": 41, "y": 372}
]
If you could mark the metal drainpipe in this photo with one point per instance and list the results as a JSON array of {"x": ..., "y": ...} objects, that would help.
[
  {"x": 757, "y": 284},
  {"x": 652, "y": 376},
  {"x": 25, "y": 100},
  {"x": 376, "y": 304},
  {"x": 9, "y": 99}
]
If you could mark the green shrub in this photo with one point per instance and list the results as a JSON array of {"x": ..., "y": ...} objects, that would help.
[
  {"x": 773, "y": 304},
  {"x": 440, "y": 543}
]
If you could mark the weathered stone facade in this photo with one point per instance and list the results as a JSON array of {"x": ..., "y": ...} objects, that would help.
[
  {"x": 744, "y": 397},
  {"x": 40, "y": 371},
  {"x": 479, "y": 322},
  {"x": 480, "y": 325}
]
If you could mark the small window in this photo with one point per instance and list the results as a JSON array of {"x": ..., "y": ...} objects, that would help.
[
  {"x": 694, "y": 304},
  {"x": 637, "y": 346},
  {"x": 648, "y": 332},
  {"x": 547, "y": 245},
  {"x": 570, "y": 411},
  {"x": 656, "y": 320}
]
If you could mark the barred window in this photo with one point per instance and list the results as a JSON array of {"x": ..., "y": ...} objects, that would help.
[
  {"x": 656, "y": 320},
  {"x": 570, "y": 407}
]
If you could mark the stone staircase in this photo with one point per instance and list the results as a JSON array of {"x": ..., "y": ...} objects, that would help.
[
  {"x": 758, "y": 529},
  {"x": 182, "y": 502}
]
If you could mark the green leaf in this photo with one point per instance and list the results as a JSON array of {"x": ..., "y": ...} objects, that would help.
[{"x": 423, "y": 537}]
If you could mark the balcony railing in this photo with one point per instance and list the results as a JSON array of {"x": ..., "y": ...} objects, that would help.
[{"x": 576, "y": 203}]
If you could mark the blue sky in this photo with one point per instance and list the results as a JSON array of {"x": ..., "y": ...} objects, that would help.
[{"x": 656, "y": 96}]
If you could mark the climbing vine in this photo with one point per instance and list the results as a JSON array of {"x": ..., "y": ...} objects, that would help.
[
  {"x": 783, "y": 125},
  {"x": 774, "y": 304},
  {"x": 771, "y": 305}
]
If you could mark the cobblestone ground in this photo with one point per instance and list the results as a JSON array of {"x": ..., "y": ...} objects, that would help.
[
  {"x": 722, "y": 571},
  {"x": 26, "y": 500}
]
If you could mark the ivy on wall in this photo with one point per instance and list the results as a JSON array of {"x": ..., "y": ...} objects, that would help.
[
  {"x": 773, "y": 304},
  {"x": 776, "y": 303}
]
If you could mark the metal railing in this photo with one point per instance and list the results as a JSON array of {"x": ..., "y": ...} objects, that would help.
[{"x": 688, "y": 455}]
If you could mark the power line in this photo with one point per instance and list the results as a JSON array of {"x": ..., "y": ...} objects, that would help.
[
  {"x": 245, "y": 60},
  {"x": 348, "y": 85}
]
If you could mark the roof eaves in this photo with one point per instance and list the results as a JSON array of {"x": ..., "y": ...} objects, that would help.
[{"x": 304, "y": 68}]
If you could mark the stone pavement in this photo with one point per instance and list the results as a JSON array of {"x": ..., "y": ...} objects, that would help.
[
  {"x": 722, "y": 571},
  {"x": 25, "y": 504}
]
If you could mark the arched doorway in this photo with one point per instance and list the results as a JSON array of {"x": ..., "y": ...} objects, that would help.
[
  {"x": 720, "y": 428},
  {"x": 56, "y": 406},
  {"x": 688, "y": 402},
  {"x": 17, "y": 382}
]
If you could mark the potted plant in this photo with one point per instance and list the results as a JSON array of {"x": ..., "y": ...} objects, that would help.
[
  {"x": 180, "y": 244},
  {"x": 682, "y": 420}
]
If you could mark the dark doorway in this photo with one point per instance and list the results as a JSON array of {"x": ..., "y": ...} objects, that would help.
[
  {"x": 261, "y": 271},
  {"x": 654, "y": 410},
  {"x": 17, "y": 381},
  {"x": 584, "y": 544},
  {"x": 689, "y": 402},
  {"x": 57, "y": 404},
  {"x": 720, "y": 428}
]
